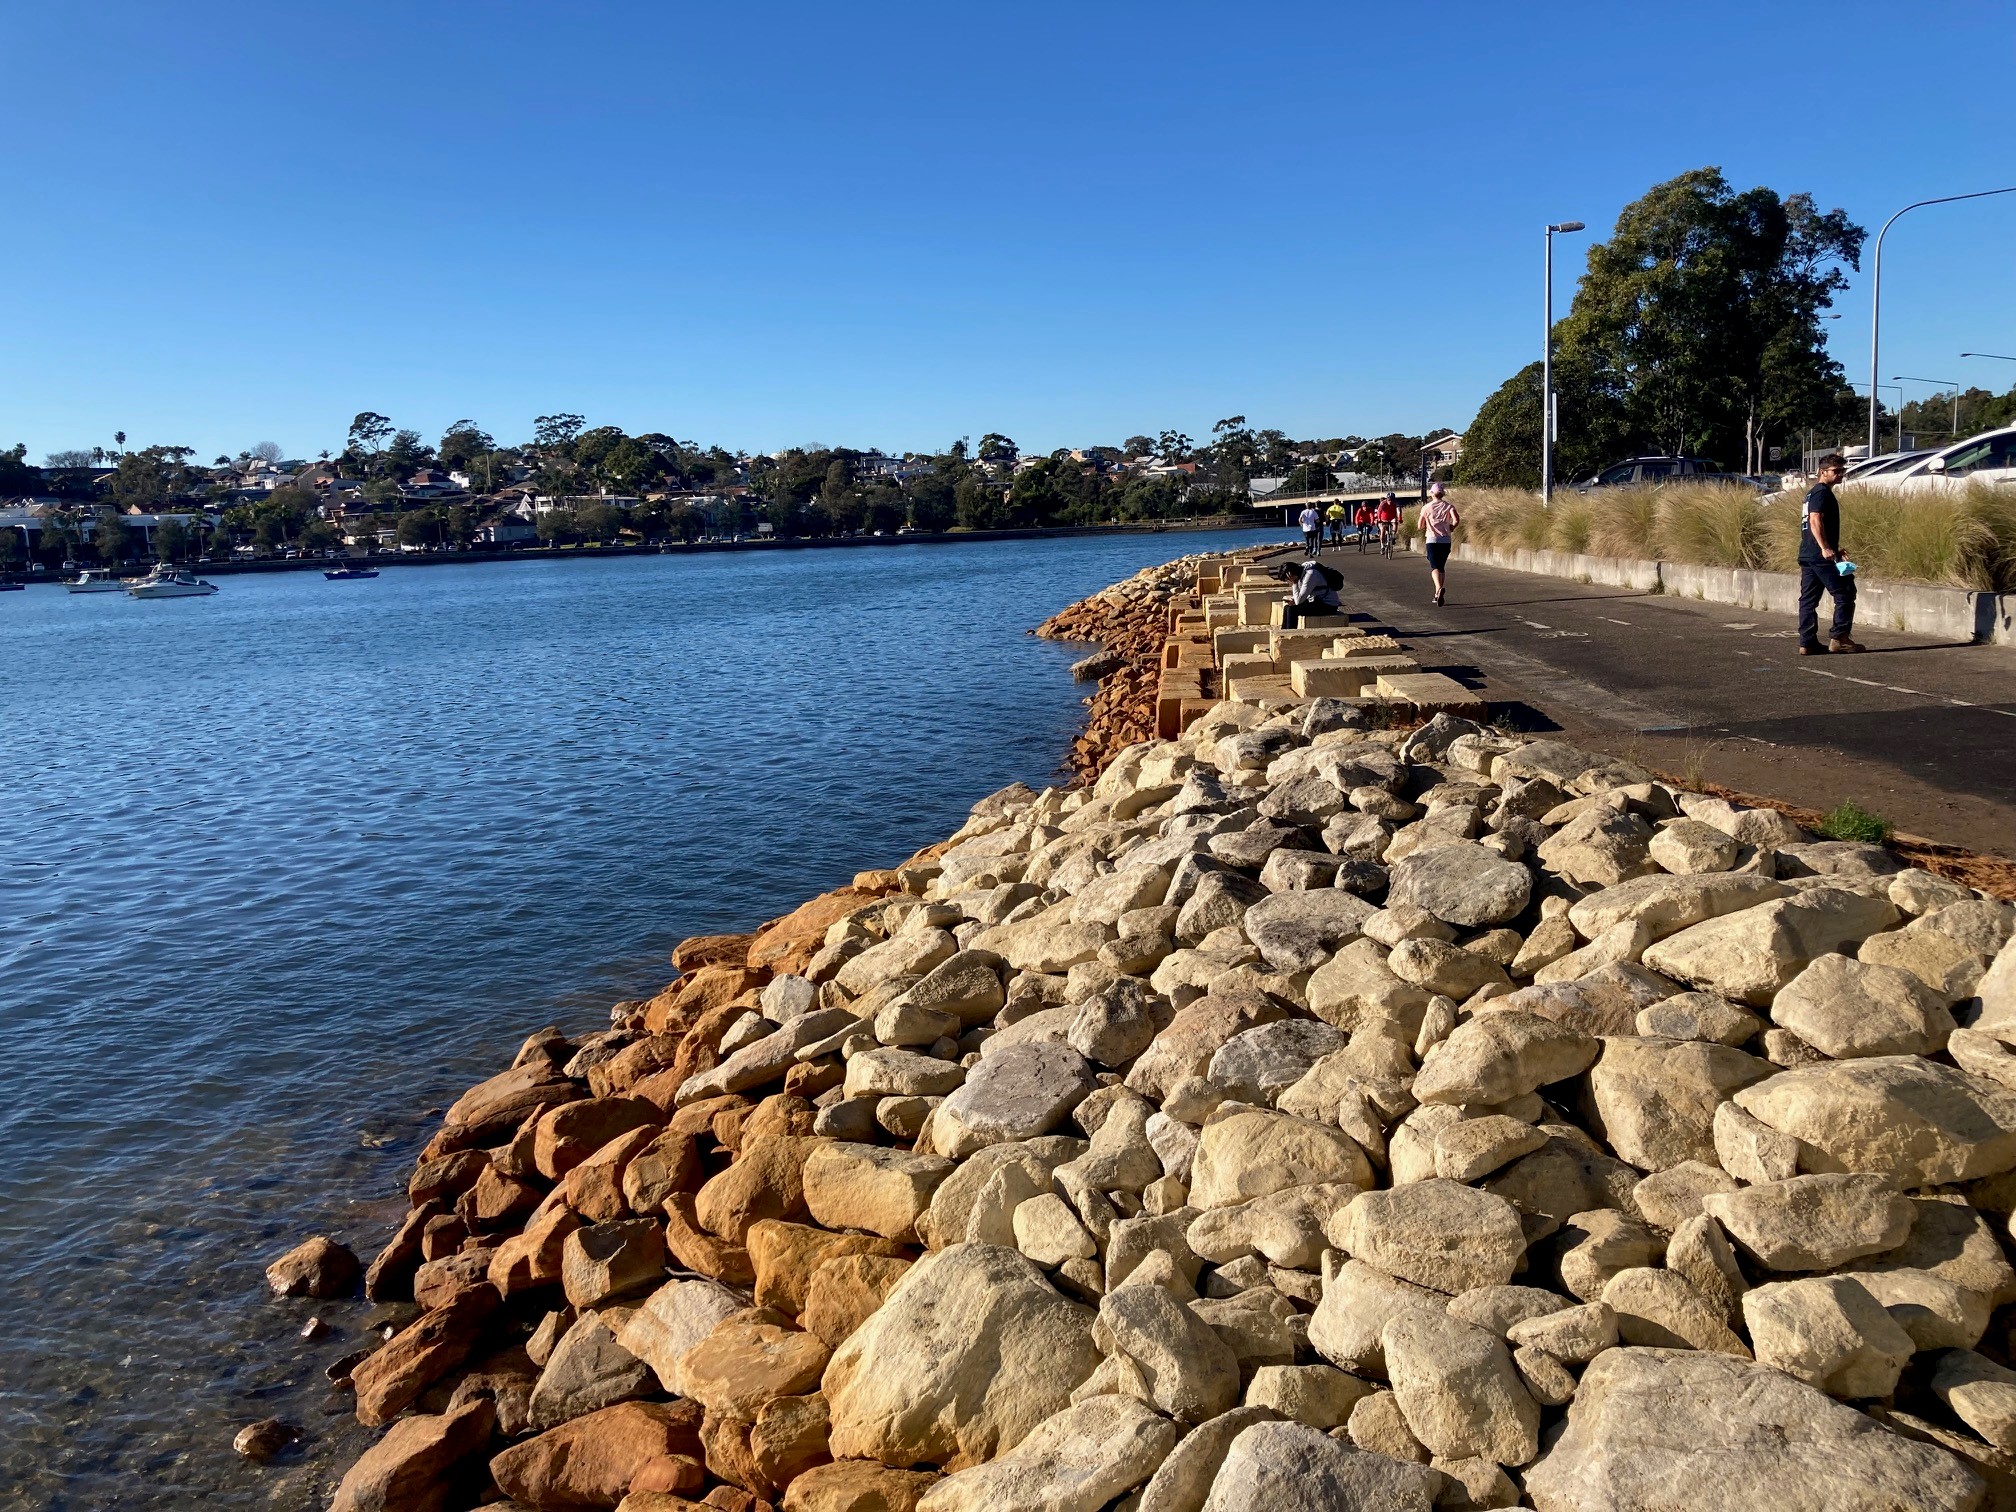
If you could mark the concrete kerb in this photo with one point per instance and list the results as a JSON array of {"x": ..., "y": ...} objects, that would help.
[{"x": 1952, "y": 614}]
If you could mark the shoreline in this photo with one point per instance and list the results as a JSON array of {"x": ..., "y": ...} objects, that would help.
[
  {"x": 728, "y": 1186},
  {"x": 385, "y": 559}
]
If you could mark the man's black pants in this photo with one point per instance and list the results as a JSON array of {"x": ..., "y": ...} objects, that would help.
[
  {"x": 1820, "y": 577},
  {"x": 1291, "y": 614}
]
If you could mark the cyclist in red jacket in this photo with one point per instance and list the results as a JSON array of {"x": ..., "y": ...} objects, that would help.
[{"x": 1361, "y": 519}]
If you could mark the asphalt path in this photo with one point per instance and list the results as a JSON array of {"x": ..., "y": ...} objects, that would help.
[{"x": 1919, "y": 730}]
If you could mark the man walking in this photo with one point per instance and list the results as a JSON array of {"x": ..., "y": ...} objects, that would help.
[
  {"x": 1821, "y": 567},
  {"x": 1312, "y": 529}
]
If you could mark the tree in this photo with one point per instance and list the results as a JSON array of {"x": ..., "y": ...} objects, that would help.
[
  {"x": 368, "y": 434},
  {"x": 171, "y": 541},
  {"x": 12, "y": 552},
  {"x": 67, "y": 460},
  {"x": 462, "y": 444},
  {"x": 995, "y": 447},
  {"x": 267, "y": 451},
  {"x": 416, "y": 527},
  {"x": 109, "y": 537},
  {"x": 62, "y": 534},
  {"x": 405, "y": 455},
  {"x": 556, "y": 430},
  {"x": 147, "y": 479}
]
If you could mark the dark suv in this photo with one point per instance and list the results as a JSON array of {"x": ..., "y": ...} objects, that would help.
[{"x": 1641, "y": 470}]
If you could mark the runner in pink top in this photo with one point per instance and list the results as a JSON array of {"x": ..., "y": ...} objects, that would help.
[{"x": 1438, "y": 523}]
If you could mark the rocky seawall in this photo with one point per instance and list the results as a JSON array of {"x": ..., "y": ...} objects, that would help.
[{"x": 1300, "y": 1114}]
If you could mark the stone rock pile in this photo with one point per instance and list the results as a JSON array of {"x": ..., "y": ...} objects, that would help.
[
  {"x": 1301, "y": 1117},
  {"x": 1128, "y": 621}
]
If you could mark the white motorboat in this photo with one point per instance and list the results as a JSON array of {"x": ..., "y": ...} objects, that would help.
[
  {"x": 170, "y": 582},
  {"x": 92, "y": 580}
]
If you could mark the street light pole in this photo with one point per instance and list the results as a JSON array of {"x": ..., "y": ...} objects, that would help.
[
  {"x": 1938, "y": 383},
  {"x": 1876, "y": 291},
  {"x": 1996, "y": 355},
  {"x": 1547, "y": 369}
]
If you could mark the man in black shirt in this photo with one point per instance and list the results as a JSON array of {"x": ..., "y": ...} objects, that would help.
[{"x": 1820, "y": 566}]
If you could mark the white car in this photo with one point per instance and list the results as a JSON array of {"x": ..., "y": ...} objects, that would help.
[{"x": 1987, "y": 458}]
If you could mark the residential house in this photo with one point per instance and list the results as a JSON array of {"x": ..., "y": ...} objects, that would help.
[{"x": 1445, "y": 452}]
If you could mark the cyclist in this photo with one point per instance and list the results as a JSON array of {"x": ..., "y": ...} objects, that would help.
[
  {"x": 1361, "y": 520},
  {"x": 1334, "y": 515},
  {"x": 1388, "y": 517}
]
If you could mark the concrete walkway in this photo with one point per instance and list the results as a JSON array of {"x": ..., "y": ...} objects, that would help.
[{"x": 1920, "y": 731}]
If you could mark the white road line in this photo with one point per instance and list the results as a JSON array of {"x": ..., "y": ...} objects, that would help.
[
  {"x": 1747, "y": 625},
  {"x": 1535, "y": 624},
  {"x": 1627, "y": 623}
]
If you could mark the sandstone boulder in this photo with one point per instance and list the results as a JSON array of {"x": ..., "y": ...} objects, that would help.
[
  {"x": 862, "y": 1186},
  {"x": 1829, "y": 1332},
  {"x": 1846, "y": 1008},
  {"x": 1813, "y": 1222},
  {"x": 1656, "y": 1099},
  {"x": 1020, "y": 1093},
  {"x": 591, "y": 1461},
  {"x": 1496, "y": 1056},
  {"x": 1912, "y": 1121},
  {"x": 1077, "y": 1460},
  {"x": 1751, "y": 954},
  {"x": 1459, "y": 1390},
  {"x": 1463, "y": 884},
  {"x": 1437, "y": 1234},
  {"x": 1291, "y": 1467},
  {"x": 1250, "y": 1154},
  {"x": 411, "y": 1469},
  {"x": 1186, "y": 1370}
]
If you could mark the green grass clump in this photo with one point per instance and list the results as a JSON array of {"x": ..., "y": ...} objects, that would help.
[{"x": 1851, "y": 821}]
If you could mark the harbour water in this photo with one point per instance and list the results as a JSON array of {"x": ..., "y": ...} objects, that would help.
[{"x": 283, "y": 869}]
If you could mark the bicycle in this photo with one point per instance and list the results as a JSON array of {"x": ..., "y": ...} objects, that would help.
[{"x": 1388, "y": 534}]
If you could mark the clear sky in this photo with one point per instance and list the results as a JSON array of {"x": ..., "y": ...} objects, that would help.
[{"x": 895, "y": 224}]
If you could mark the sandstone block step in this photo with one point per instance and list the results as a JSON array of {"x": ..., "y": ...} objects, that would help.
[
  {"x": 1291, "y": 646},
  {"x": 1249, "y": 664},
  {"x": 1260, "y": 606},
  {"x": 1239, "y": 640},
  {"x": 1363, "y": 646},
  {"x": 1346, "y": 679},
  {"x": 1431, "y": 693},
  {"x": 1257, "y": 688}
]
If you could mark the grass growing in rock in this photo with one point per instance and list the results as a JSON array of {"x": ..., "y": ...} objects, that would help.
[
  {"x": 1850, "y": 821},
  {"x": 1965, "y": 539}
]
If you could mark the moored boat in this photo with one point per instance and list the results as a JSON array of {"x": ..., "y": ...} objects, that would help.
[
  {"x": 94, "y": 580},
  {"x": 339, "y": 574},
  {"x": 171, "y": 582}
]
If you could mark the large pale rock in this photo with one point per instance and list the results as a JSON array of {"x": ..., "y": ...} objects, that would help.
[
  {"x": 1575, "y": 1335},
  {"x": 1813, "y": 1222},
  {"x": 1663, "y": 1309},
  {"x": 971, "y": 1351},
  {"x": 1475, "y": 1147},
  {"x": 672, "y": 1320},
  {"x": 1320, "y": 1395},
  {"x": 903, "y": 955},
  {"x": 1256, "y": 1066},
  {"x": 862, "y": 1186},
  {"x": 1689, "y": 847},
  {"x": 1600, "y": 847},
  {"x": 1437, "y": 966},
  {"x": 1656, "y": 1098},
  {"x": 1358, "y": 1302},
  {"x": 1463, "y": 884},
  {"x": 1933, "y": 1311},
  {"x": 1597, "y": 1245},
  {"x": 1076, "y": 1461},
  {"x": 895, "y": 1072},
  {"x": 1194, "y": 1035},
  {"x": 1356, "y": 985},
  {"x": 1666, "y": 905},
  {"x": 1219, "y": 901},
  {"x": 1250, "y": 1154},
  {"x": 1829, "y": 1332},
  {"x": 1291, "y": 1467},
  {"x": 1459, "y": 1390},
  {"x": 1495, "y": 1056},
  {"x": 591, "y": 1461},
  {"x": 1285, "y": 1227},
  {"x": 1567, "y": 1176},
  {"x": 609, "y": 1260},
  {"x": 1699, "y": 1016},
  {"x": 1845, "y": 1008},
  {"x": 1700, "y": 1251},
  {"x": 1932, "y": 957},
  {"x": 1912, "y": 1121},
  {"x": 1186, "y": 1370},
  {"x": 1950, "y": 1239},
  {"x": 966, "y": 985},
  {"x": 587, "y": 1370},
  {"x": 1751, "y": 954},
  {"x": 1184, "y": 1479},
  {"x": 1670, "y": 1197},
  {"x": 1299, "y": 931},
  {"x": 1979, "y": 1392},
  {"x": 1020, "y": 1093},
  {"x": 968, "y": 1196},
  {"x": 1113, "y": 1026},
  {"x": 765, "y": 1059},
  {"x": 1657, "y": 1430},
  {"x": 1438, "y": 1234}
]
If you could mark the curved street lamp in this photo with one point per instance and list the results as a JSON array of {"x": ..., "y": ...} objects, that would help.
[
  {"x": 1996, "y": 355},
  {"x": 1939, "y": 383},
  {"x": 1876, "y": 291}
]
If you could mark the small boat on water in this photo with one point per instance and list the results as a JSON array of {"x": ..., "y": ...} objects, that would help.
[
  {"x": 170, "y": 582},
  {"x": 93, "y": 580},
  {"x": 339, "y": 574},
  {"x": 12, "y": 587}
]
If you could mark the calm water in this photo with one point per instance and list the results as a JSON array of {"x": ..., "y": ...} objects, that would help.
[{"x": 284, "y": 868}]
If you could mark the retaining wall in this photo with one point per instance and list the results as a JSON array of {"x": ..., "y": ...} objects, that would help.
[{"x": 1953, "y": 614}]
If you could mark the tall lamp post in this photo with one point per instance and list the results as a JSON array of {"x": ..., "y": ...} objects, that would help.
[
  {"x": 1876, "y": 291},
  {"x": 1547, "y": 370},
  {"x": 1996, "y": 355},
  {"x": 1939, "y": 383}
]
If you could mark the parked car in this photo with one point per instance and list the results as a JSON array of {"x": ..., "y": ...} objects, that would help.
[
  {"x": 1887, "y": 462},
  {"x": 1640, "y": 471},
  {"x": 1987, "y": 458}
]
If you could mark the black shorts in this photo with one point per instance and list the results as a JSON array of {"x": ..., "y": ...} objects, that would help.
[{"x": 1438, "y": 555}]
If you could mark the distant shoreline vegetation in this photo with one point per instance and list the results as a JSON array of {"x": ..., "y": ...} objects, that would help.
[{"x": 575, "y": 486}]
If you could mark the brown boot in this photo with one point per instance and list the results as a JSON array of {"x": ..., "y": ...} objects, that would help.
[
  {"x": 1814, "y": 650},
  {"x": 1844, "y": 646}
]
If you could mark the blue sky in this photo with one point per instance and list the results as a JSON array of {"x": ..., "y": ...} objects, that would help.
[{"x": 774, "y": 224}]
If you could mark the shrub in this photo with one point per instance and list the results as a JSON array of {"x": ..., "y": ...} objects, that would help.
[{"x": 1851, "y": 821}]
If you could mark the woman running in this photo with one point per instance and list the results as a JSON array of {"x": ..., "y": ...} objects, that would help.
[{"x": 1439, "y": 520}]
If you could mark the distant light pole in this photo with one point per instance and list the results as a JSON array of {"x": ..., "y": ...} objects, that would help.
[
  {"x": 1996, "y": 355},
  {"x": 1939, "y": 383},
  {"x": 1547, "y": 426},
  {"x": 1876, "y": 291}
]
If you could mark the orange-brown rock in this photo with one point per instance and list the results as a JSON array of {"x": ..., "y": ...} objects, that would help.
[
  {"x": 881, "y": 880},
  {"x": 749, "y": 1360},
  {"x": 506, "y": 1378},
  {"x": 700, "y": 1049},
  {"x": 590, "y": 1461},
  {"x": 437, "y": 1283},
  {"x": 697, "y": 1118},
  {"x": 669, "y": 1163},
  {"x": 844, "y": 1291},
  {"x": 858, "y": 1486},
  {"x": 697, "y": 1250},
  {"x": 726, "y": 1499},
  {"x": 497, "y": 1200},
  {"x": 533, "y": 1258},
  {"x": 725, "y": 1441},
  {"x": 491, "y": 1110},
  {"x": 670, "y": 1473},
  {"x": 788, "y": 945},
  {"x": 810, "y": 1078},
  {"x": 693, "y": 996},
  {"x": 779, "y": 1114},
  {"x": 662, "y": 1501},
  {"x": 446, "y": 1177},
  {"x": 410, "y": 1468},
  {"x": 443, "y": 1236},
  {"x": 392, "y": 1378},
  {"x": 786, "y": 1255},
  {"x": 789, "y": 1438},
  {"x": 766, "y": 1181},
  {"x": 595, "y": 1187},
  {"x": 390, "y": 1277},
  {"x": 711, "y": 950},
  {"x": 632, "y": 1064},
  {"x": 513, "y": 1158},
  {"x": 318, "y": 1268},
  {"x": 571, "y": 1133}
]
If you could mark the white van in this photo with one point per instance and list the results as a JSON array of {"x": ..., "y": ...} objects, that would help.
[{"x": 1987, "y": 458}]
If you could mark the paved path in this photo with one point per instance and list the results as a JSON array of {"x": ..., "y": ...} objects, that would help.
[{"x": 1921, "y": 731}]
